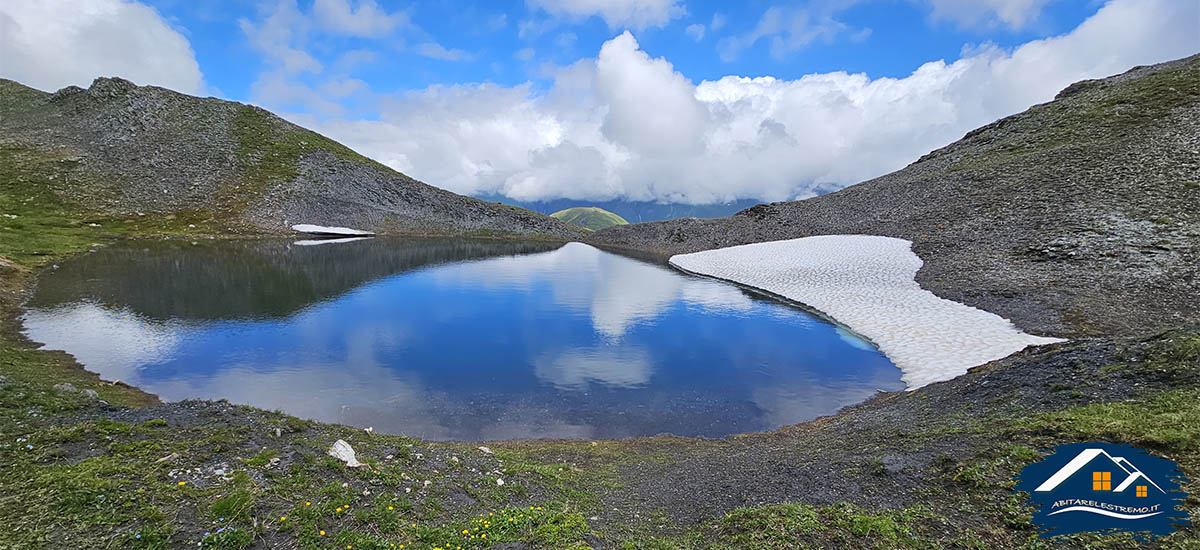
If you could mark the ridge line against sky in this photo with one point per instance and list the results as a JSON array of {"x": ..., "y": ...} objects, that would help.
[{"x": 665, "y": 100}]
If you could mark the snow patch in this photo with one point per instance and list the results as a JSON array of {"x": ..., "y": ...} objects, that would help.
[{"x": 868, "y": 284}]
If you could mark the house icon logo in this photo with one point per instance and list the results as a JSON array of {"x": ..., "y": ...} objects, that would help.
[{"x": 1104, "y": 487}]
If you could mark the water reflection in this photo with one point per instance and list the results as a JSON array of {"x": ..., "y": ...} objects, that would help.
[{"x": 452, "y": 339}]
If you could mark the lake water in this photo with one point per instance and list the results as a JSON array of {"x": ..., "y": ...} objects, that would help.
[{"x": 451, "y": 339}]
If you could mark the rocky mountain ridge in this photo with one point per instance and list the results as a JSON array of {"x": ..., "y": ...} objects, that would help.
[{"x": 121, "y": 149}]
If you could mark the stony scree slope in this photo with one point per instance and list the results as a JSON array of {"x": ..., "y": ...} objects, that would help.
[
  {"x": 121, "y": 149},
  {"x": 1077, "y": 217}
]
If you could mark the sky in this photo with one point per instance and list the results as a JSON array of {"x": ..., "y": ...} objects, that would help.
[{"x": 683, "y": 101}]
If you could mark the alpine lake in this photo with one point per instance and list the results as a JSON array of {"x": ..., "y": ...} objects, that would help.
[{"x": 451, "y": 339}]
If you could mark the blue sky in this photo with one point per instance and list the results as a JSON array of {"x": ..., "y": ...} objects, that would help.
[
  {"x": 667, "y": 100},
  {"x": 510, "y": 42}
]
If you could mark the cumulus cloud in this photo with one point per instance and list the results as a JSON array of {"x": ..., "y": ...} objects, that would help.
[
  {"x": 50, "y": 44},
  {"x": 696, "y": 31},
  {"x": 636, "y": 14},
  {"x": 627, "y": 125}
]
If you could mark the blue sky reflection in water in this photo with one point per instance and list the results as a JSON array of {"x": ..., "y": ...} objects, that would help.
[{"x": 452, "y": 339}]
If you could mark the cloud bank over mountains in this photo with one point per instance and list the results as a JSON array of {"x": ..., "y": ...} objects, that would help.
[
  {"x": 622, "y": 124},
  {"x": 627, "y": 125}
]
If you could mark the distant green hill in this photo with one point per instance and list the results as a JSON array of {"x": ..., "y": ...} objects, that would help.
[{"x": 589, "y": 217}]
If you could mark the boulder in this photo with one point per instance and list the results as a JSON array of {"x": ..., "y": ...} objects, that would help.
[{"x": 345, "y": 453}]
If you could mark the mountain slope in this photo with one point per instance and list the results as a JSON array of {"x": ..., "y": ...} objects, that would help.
[
  {"x": 1080, "y": 216},
  {"x": 589, "y": 217},
  {"x": 121, "y": 149}
]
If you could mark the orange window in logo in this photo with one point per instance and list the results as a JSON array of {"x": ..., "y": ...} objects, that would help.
[
  {"x": 1141, "y": 490},
  {"x": 1101, "y": 481}
]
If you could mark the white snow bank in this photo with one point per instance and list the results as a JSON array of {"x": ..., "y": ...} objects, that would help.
[
  {"x": 323, "y": 230},
  {"x": 867, "y": 283}
]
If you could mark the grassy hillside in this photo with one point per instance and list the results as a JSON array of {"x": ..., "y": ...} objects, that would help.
[
  {"x": 589, "y": 217},
  {"x": 121, "y": 150}
]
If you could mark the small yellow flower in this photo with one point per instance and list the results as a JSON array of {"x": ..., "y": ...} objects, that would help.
[
  {"x": 390, "y": 508},
  {"x": 282, "y": 518},
  {"x": 465, "y": 531},
  {"x": 322, "y": 532},
  {"x": 182, "y": 483},
  {"x": 308, "y": 504},
  {"x": 483, "y": 536}
]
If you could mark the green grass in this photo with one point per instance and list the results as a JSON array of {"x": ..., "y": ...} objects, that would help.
[
  {"x": 269, "y": 149},
  {"x": 1138, "y": 104},
  {"x": 1169, "y": 420},
  {"x": 37, "y": 226},
  {"x": 589, "y": 217}
]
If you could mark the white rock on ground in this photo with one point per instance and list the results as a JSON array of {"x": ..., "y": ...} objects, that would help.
[
  {"x": 868, "y": 284},
  {"x": 345, "y": 453},
  {"x": 324, "y": 230}
]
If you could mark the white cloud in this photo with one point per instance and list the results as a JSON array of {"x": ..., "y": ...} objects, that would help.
[
  {"x": 718, "y": 21},
  {"x": 616, "y": 292},
  {"x": 576, "y": 369},
  {"x": 636, "y": 14},
  {"x": 49, "y": 44},
  {"x": 437, "y": 51},
  {"x": 116, "y": 344},
  {"x": 367, "y": 20},
  {"x": 652, "y": 109},
  {"x": 1015, "y": 14},
  {"x": 281, "y": 36},
  {"x": 626, "y": 125},
  {"x": 696, "y": 31},
  {"x": 787, "y": 29},
  {"x": 525, "y": 54}
]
